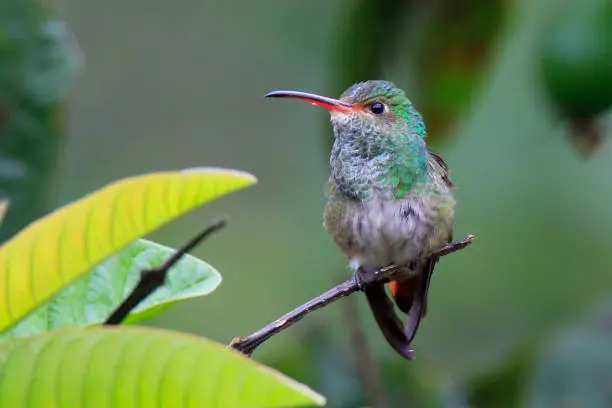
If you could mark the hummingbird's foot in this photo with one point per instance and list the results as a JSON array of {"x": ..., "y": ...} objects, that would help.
[{"x": 363, "y": 278}]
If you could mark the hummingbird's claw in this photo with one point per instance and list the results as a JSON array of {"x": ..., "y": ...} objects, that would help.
[{"x": 360, "y": 277}]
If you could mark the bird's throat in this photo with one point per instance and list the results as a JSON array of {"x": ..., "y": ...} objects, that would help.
[{"x": 359, "y": 171}]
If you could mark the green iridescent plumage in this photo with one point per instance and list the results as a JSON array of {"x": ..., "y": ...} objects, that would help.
[{"x": 384, "y": 151}]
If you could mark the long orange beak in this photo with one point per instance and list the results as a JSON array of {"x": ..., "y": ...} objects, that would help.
[{"x": 318, "y": 100}]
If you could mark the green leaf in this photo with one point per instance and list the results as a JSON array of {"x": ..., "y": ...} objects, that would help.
[
  {"x": 56, "y": 250},
  {"x": 93, "y": 297},
  {"x": 135, "y": 366},
  {"x": 575, "y": 58}
]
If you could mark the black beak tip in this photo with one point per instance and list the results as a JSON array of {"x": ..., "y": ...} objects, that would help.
[{"x": 274, "y": 94}]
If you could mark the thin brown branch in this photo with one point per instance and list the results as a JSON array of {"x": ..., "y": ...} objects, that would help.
[
  {"x": 247, "y": 345},
  {"x": 151, "y": 279}
]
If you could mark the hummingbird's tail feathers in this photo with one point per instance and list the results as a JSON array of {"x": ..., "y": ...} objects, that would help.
[
  {"x": 387, "y": 320},
  {"x": 419, "y": 307},
  {"x": 411, "y": 297}
]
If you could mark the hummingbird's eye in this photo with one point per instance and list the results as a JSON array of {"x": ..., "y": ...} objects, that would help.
[{"x": 377, "y": 108}]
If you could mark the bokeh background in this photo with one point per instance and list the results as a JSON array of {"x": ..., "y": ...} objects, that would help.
[{"x": 515, "y": 95}]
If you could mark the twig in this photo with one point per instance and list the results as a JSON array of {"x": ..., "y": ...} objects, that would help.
[
  {"x": 151, "y": 279},
  {"x": 368, "y": 371},
  {"x": 247, "y": 345}
]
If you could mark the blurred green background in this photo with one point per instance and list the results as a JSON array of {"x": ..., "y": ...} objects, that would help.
[{"x": 169, "y": 85}]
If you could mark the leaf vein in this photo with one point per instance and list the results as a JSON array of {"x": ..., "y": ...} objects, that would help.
[
  {"x": 58, "y": 373},
  {"x": 86, "y": 238},
  {"x": 33, "y": 366},
  {"x": 87, "y": 358},
  {"x": 60, "y": 251},
  {"x": 111, "y": 217},
  {"x": 31, "y": 271},
  {"x": 190, "y": 375},
  {"x": 7, "y": 282},
  {"x": 160, "y": 376}
]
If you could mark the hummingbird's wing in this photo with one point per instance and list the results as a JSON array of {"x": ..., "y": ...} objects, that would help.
[
  {"x": 443, "y": 167},
  {"x": 411, "y": 295}
]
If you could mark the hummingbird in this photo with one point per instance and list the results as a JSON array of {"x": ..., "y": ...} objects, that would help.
[{"x": 389, "y": 200}]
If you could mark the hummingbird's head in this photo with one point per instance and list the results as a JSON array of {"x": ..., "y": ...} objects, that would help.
[
  {"x": 379, "y": 139},
  {"x": 375, "y": 114}
]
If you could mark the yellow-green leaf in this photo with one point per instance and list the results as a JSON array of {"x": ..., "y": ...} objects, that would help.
[
  {"x": 55, "y": 250},
  {"x": 128, "y": 366},
  {"x": 95, "y": 295}
]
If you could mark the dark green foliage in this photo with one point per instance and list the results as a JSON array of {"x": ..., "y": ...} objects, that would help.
[
  {"x": 331, "y": 369},
  {"x": 319, "y": 363},
  {"x": 367, "y": 39},
  {"x": 576, "y": 59},
  {"x": 575, "y": 368},
  {"x": 503, "y": 387},
  {"x": 37, "y": 63},
  {"x": 369, "y": 36},
  {"x": 448, "y": 56},
  {"x": 576, "y": 69},
  {"x": 453, "y": 59}
]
